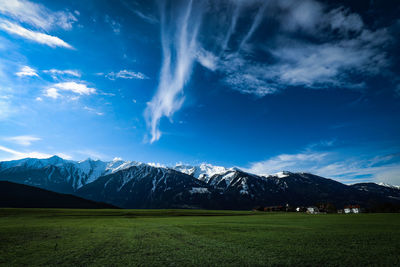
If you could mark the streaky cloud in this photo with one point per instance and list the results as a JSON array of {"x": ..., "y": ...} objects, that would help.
[
  {"x": 311, "y": 45},
  {"x": 23, "y": 140},
  {"x": 36, "y": 15},
  {"x": 232, "y": 26},
  {"x": 34, "y": 36},
  {"x": 179, "y": 30},
  {"x": 256, "y": 22}
]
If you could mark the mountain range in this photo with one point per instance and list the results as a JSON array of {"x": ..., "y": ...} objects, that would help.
[{"x": 130, "y": 184}]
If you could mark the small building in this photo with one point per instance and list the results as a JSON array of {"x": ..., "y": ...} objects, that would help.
[
  {"x": 312, "y": 210},
  {"x": 352, "y": 209}
]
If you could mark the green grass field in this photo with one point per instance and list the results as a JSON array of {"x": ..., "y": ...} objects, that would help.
[{"x": 33, "y": 237}]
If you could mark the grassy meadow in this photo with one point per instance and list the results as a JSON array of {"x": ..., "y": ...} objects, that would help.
[{"x": 57, "y": 237}]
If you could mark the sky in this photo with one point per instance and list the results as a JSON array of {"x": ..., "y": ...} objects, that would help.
[{"x": 266, "y": 86}]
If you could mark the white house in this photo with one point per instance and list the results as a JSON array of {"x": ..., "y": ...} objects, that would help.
[
  {"x": 352, "y": 209},
  {"x": 312, "y": 210},
  {"x": 355, "y": 210}
]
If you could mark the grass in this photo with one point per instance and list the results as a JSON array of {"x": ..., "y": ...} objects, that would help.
[{"x": 51, "y": 237}]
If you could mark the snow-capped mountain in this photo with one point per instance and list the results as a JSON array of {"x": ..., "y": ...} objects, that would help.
[
  {"x": 202, "y": 172},
  {"x": 389, "y": 185},
  {"x": 131, "y": 184},
  {"x": 60, "y": 172},
  {"x": 145, "y": 186}
]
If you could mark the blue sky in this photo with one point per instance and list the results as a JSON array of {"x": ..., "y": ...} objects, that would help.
[{"x": 263, "y": 85}]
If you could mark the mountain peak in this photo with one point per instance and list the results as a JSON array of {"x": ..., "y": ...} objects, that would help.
[
  {"x": 389, "y": 185},
  {"x": 55, "y": 159},
  {"x": 204, "y": 170}
]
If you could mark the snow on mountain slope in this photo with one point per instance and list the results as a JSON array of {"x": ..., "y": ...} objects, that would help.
[
  {"x": 390, "y": 186},
  {"x": 118, "y": 165},
  {"x": 33, "y": 163},
  {"x": 132, "y": 184},
  {"x": 202, "y": 172},
  {"x": 76, "y": 173},
  {"x": 282, "y": 174}
]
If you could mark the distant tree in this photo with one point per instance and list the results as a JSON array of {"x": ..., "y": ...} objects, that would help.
[
  {"x": 330, "y": 208},
  {"x": 327, "y": 207},
  {"x": 259, "y": 208}
]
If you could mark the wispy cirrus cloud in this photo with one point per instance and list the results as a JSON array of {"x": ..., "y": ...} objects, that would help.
[
  {"x": 56, "y": 74},
  {"x": 36, "y": 14},
  {"x": 126, "y": 74},
  {"x": 94, "y": 111},
  {"x": 179, "y": 30},
  {"x": 149, "y": 18},
  {"x": 264, "y": 47},
  {"x": 384, "y": 168},
  {"x": 14, "y": 154},
  {"x": 294, "y": 162},
  {"x": 146, "y": 17},
  {"x": 18, "y": 14},
  {"x": 23, "y": 140},
  {"x": 27, "y": 71},
  {"x": 345, "y": 46},
  {"x": 38, "y": 37}
]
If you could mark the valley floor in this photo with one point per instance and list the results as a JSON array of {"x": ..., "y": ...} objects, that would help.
[{"x": 56, "y": 237}]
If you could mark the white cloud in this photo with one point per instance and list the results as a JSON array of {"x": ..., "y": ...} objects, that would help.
[
  {"x": 149, "y": 18},
  {"x": 28, "y": 154},
  {"x": 20, "y": 155},
  {"x": 126, "y": 74},
  {"x": 207, "y": 59},
  {"x": 27, "y": 71},
  {"x": 55, "y": 73},
  {"x": 146, "y": 17},
  {"x": 255, "y": 24},
  {"x": 343, "y": 20},
  {"x": 36, "y": 15},
  {"x": 345, "y": 46},
  {"x": 295, "y": 15},
  {"x": 264, "y": 47},
  {"x": 35, "y": 36},
  {"x": 179, "y": 43},
  {"x": 92, "y": 110},
  {"x": 77, "y": 88},
  {"x": 293, "y": 162},
  {"x": 389, "y": 175},
  {"x": 50, "y": 92},
  {"x": 330, "y": 165},
  {"x": 23, "y": 140}
]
